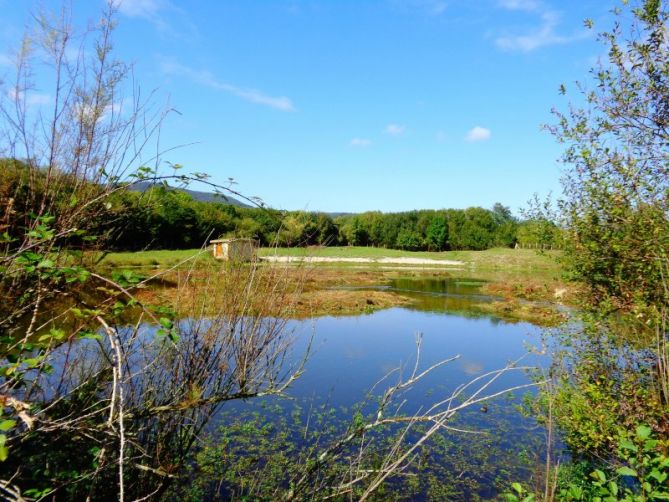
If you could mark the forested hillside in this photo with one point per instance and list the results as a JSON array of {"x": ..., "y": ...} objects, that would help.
[{"x": 160, "y": 217}]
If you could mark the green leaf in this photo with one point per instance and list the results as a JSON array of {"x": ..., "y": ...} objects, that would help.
[
  {"x": 650, "y": 445},
  {"x": 4, "y": 451},
  {"x": 598, "y": 475},
  {"x": 58, "y": 334},
  {"x": 626, "y": 471},
  {"x": 643, "y": 432},
  {"x": 659, "y": 496},
  {"x": 518, "y": 487},
  {"x": 30, "y": 256},
  {"x": 89, "y": 335},
  {"x": 657, "y": 475},
  {"x": 613, "y": 488},
  {"x": 33, "y": 362},
  {"x": 5, "y": 425}
]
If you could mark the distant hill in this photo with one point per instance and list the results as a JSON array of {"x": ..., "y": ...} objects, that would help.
[{"x": 143, "y": 186}]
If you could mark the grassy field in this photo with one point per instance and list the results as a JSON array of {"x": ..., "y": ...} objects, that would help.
[
  {"x": 163, "y": 258},
  {"x": 497, "y": 258},
  {"x": 491, "y": 259}
]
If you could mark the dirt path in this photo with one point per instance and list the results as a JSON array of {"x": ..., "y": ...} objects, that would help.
[{"x": 396, "y": 261}]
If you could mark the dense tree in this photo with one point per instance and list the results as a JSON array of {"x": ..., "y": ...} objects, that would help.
[
  {"x": 613, "y": 384},
  {"x": 409, "y": 240},
  {"x": 161, "y": 217},
  {"x": 472, "y": 228},
  {"x": 437, "y": 234},
  {"x": 617, "y": 190}
]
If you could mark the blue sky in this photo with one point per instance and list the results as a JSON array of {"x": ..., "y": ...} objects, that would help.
[{"x": 346, "y": 105}]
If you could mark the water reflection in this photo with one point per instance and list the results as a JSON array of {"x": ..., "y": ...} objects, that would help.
[
  {"x": 459, "y": 296},
  {"x": 352, "y": 353}
]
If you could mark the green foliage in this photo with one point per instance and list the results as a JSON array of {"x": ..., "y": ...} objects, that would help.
[
  {"x": 616, "y": 201},
  {"x": 519, "y": 494},
  {"x": 409, "y": 240},
  {"x": 437, "y": 234},
  {"x": 614, "y": 374},
  {"x": 640, "y": 476},
  {"x": 164, "y": 218},
  {"x": 474, "y": 228},
  {"x": 260, "y": 450}
]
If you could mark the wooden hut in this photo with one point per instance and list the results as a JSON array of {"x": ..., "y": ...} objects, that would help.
[{"x": 234, "y": 249}]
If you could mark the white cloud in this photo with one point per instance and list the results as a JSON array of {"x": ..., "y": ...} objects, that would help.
[
  {"x": 38, "y": 99},
  {"x": 360, "y": 142},
  {"x": 395, "y": 129},
  {"x": 205, "y": 78},
  {"x": 528, "y": 5},
  {"x": 157, "y": 12},
  {"x": 31, "y": 99},
  {"x": 478, "y": 133},
  {"x": 147, "y": 9},
  {"x": 543, "y": 35}
]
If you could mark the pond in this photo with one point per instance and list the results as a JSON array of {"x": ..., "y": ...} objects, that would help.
[{"x": 350, "y": 354}]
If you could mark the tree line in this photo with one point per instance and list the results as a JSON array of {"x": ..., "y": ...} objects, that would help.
[{"x": 165, "y": 218}]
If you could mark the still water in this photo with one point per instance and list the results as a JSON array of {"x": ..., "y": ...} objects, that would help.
[{"x": 350, "y": 354}]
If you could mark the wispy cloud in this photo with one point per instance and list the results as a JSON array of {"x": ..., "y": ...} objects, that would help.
[
  {"x": 31, "y": 98},
  {"x": 395, "y": 129},
  {"x": 5, "y": 60},
  {"x": 146, "y": 9},
  {"x": 38, "y": 99},
  {"x": 360, "y": 142},
  {"x": 527, "y": 5},
  {"x": 156, "y": 12},
  {"x": 543, "y": 35},
  {"x": 477, "y": 134},
  {"x": 206, "y": 78}
]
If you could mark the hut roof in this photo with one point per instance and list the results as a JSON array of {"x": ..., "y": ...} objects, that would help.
[{"x": 234, "y": 239}]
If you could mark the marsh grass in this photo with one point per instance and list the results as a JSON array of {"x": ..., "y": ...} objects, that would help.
[{"x": 519, "y": 279}]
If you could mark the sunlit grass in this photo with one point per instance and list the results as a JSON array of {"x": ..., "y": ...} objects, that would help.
[
  {"x": 163, "y": 258},
  {"x": 491, "y": 259}
]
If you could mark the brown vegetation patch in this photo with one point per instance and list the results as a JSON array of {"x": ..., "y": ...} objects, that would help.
[
  {"x": 299, "y": 292},
  {"x": 343, "y": 302},
  {"x": 534, "y": 291},
  {"x": 515, "y": 310}
]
